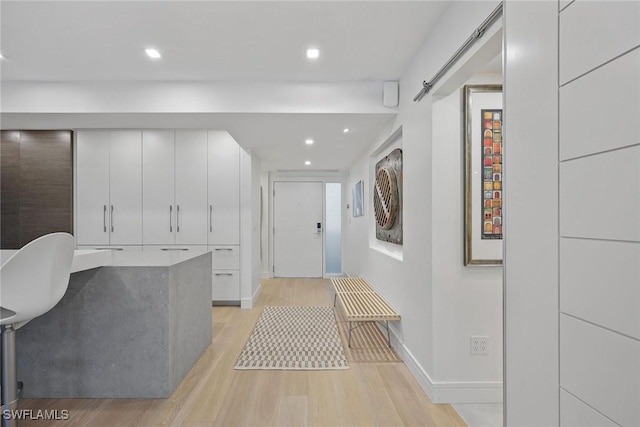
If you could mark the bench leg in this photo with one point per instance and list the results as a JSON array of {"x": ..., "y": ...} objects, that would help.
[
  {"x": 388, "y": 336},
  {"x": 350, "y": 329}
]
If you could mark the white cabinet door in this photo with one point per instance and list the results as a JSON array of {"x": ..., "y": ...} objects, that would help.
[
  {"x": 92, "y": 188},
  {"x": 224, "y": 189},
  {"x": 125, "y": 209},
  {"x": 191, "y": 187},
  {"x": 158, "y": 215}
]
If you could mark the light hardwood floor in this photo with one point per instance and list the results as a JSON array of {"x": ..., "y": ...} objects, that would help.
[{"x": 214, "y": 394}]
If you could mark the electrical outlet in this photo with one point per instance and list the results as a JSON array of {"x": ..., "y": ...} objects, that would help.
[{"x": 479, "y": 345}]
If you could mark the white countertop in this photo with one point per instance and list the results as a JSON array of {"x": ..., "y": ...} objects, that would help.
[
  {"x": 153, "y": 258},
  {"x": 82, "y": 259},
  {"x": 88, "y": 259}
]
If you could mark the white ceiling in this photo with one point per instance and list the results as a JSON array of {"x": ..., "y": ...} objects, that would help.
[{"x": 228, "y": 41}]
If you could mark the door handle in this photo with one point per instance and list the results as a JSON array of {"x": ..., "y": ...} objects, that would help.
[
  {"x": 170, "y": 218},
  {"x": 178, "y": 218},
  {"x": 111, "y": 218},
  {"x": 104, "y": 217},
  {"x": 210, "y": 218}
]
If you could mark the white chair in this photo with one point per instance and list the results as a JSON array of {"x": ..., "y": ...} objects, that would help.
[{"x": 32, "y": 282}]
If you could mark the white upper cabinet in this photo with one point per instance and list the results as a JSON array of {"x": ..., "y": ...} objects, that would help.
[
  {"x": 159, "y": 217},
  {"x": 125, "y": 189},
  {"x": 175, "y": 187},
  {"x": 157, "y": 188},
  {"x": 191, "y": 187},
  {"x": 109, "y": 188},
  {"x": 92, "y": 185},
  {"x": 224, "y": 189}
]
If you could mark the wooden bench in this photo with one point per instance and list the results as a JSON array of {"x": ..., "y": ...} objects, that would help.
[{"x": 361, "y": 303}]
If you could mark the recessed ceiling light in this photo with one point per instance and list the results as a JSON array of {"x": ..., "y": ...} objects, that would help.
[
  {"x": 308, "y": 141},
  {"x": 345, "y": 130},
  {"x": 313, "y": 53},
  {"x": 307, "y": 163},
  {"x": 153, "y": 53}
]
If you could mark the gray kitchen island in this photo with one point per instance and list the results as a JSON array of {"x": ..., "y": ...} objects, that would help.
[{"x": 129, "y": 329}]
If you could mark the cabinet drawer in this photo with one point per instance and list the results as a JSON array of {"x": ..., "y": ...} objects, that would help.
[
  {"x": 225, "y": 285},
  {"x": 190, "y": 248},
  {"x": 226, "y": 257},
  {"x": 110, "y": 247}
]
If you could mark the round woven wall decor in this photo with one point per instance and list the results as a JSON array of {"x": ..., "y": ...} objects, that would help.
[{"x": 385, "y": 197}]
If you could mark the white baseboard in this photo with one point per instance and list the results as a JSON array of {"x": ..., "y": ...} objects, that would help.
[
  {"x": 248, "y": 303},
  {"x": 448, "y": 391},
  {"x": 265, "y": 274}
]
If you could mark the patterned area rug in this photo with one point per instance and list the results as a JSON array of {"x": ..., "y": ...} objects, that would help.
[{"x": 294, "y": 338}]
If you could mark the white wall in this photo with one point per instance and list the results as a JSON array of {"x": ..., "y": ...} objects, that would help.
[
  {"x": 531, "y": 251},
  {"x": 409, "y": 284},
  {"x": 467, "y": 300}
]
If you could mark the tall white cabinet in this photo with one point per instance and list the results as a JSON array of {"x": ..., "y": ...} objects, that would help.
[
  {"x": 174, "y": 183},
  {"x": 224, "y": 215},
  {"x": 109, "y": 188}
]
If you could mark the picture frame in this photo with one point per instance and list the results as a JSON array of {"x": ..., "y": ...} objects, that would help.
[
  {"x": 387, "y": 198},
  {"x": 483, "y": 176},
  {"x": 358, "y": 199}
]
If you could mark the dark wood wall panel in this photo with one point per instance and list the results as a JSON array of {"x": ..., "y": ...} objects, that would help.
[
  {"x": 10, "y": 190},
  {"x": 45, "y": 187}
]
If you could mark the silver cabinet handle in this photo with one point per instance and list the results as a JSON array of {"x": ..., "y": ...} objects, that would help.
[
  {"x": 170, "y": 215},
  {"x": 178, "y": 218},
  {"x": 110, "y": 249},
  {"x": 210, "y": 218},
  {"x": 104, "y": 217},
  {"x": 224, "y": 274},
  {"x": 174, "y": 249},
  {"x": 223, "y": 249},
  {"x": 111, "y": 218}
]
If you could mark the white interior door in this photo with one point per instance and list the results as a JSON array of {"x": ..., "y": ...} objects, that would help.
[{"x": 298, "y": 229}]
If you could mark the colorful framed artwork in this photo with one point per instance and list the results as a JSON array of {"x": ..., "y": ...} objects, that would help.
[
  {"x": 358, "y": 202},
  {"x": 483, "y": 151}
]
